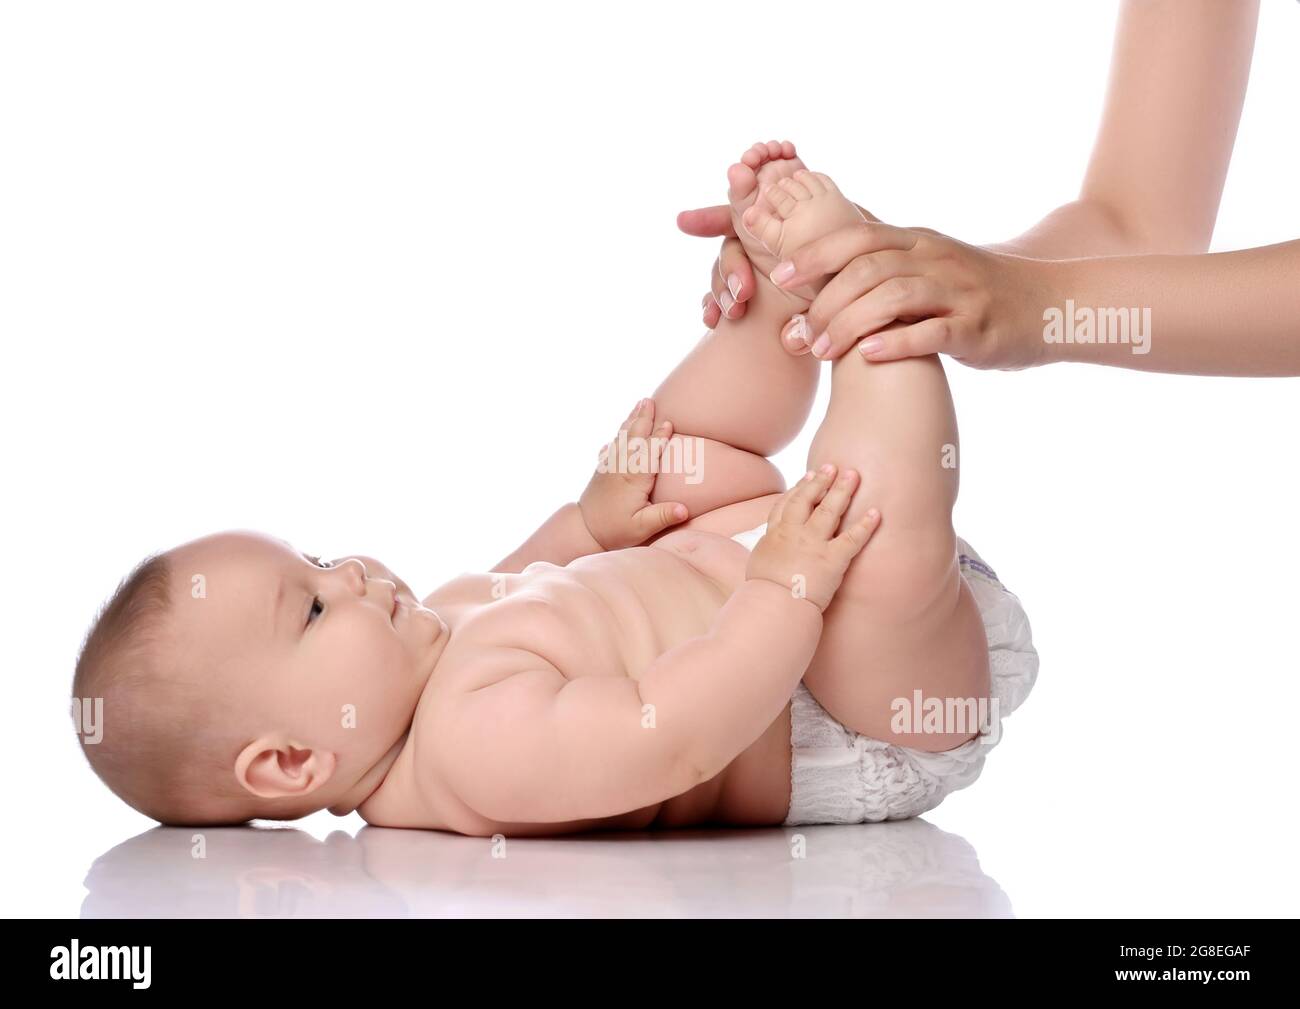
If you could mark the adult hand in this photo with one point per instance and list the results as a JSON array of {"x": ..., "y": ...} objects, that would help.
[
  {"x": 907, "y": 292},
  {"x": 733, "y": 277}
]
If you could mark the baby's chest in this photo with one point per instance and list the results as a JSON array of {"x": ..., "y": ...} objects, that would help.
[{"x": 613, "y": 617}]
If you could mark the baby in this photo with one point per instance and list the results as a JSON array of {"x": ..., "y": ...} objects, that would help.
[{"x": 753, "y": 665}]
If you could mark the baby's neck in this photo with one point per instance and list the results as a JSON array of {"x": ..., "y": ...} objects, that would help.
[{"x": 370, "y": 781}]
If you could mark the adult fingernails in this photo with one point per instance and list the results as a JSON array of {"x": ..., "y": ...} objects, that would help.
[
  {"x": 733, "y": 285},
  {"x": 798, "y": 331},
  {"x": 871, "y": 344},
  {"x": 726, "y": 301},
  {"x": 783, "y": 272},
  {"x": 822, "y": 345}
]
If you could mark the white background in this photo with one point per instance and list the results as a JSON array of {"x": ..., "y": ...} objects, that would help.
[{"x": 382, "y": 277}]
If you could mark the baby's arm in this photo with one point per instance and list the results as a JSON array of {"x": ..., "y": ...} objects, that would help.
[
  {"x": 540, "y": 746},
  {"x": 614, "y": 511},
  {"x": 562, "y": 538},
  {"x": 537, "y": 745}
]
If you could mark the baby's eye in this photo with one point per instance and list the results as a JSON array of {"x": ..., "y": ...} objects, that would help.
[{"x": 317, "y": 608}]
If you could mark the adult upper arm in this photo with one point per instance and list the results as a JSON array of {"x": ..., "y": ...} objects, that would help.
[{"x": 1178, "y": 80}]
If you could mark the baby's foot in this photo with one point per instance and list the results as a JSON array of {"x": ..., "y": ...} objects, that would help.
[{"x": 777, "y": 205}]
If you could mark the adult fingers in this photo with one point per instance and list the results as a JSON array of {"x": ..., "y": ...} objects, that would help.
[
  {"x": 929, "y": 336},
  {"x": 732, "y": 280},
  {"x": 831, "y": 252},
  {"x": 793, "y": 336},
  {"x": 896, "y": 298},
  {"x": 860, "y": 276},
  {"x": 712, "y": 313},
  {"x": 707, "y": 222}
]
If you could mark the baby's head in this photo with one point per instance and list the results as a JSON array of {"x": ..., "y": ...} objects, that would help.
[{"x": 242, "y": 679}]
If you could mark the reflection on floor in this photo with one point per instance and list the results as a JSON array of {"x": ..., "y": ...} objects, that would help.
[{"x": 905, "y": 869}]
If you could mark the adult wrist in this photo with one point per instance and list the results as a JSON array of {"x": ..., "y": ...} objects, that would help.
[{"x": 1048, "y": 286}]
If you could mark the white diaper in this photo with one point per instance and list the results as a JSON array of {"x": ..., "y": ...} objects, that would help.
[{"x": 840, "y": 776}]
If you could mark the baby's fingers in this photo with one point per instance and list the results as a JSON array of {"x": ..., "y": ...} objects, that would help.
[
  {"x": 858, "y": 534},
  {"x": 826, "y": 516},
  {"x": 656, "y": 518},
  {"x": 806, "y": 494},
  {"x": 643, "y": 418}
]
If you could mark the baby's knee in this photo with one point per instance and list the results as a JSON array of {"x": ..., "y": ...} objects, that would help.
[{"x": 904, "y": 574}]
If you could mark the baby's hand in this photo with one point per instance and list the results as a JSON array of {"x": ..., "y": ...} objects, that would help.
[
  {"x": 800, "y": 550},
  {"x": 616, "y": 504}
]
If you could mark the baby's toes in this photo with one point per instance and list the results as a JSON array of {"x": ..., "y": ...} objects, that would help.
[
  {"x": 796, "y": 188},
  {"x": 760, "y": 222},
  {"x": 779, "y": 199},
  {"x": 814, "y": 182},
  {"x": 756, "y": 156},
  {"x": 775, "y": 200},
  {"x": 741, "y": 181}
]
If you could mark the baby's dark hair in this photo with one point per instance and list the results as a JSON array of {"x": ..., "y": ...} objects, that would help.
[{"x": 160, "y": 739}]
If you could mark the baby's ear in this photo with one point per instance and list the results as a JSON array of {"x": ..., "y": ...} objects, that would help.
[{"x": 273, "y": 767}]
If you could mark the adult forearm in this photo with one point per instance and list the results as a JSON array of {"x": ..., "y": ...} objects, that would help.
[{"x": 1231, "y": 313}]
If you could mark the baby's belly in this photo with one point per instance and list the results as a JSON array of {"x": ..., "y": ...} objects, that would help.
[
  {"x": 719, "y": 558},
  {"x": 754, "y": 789}
]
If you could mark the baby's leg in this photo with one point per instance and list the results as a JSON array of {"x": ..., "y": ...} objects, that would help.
[
  {"x": 904, "y": 619},
  {"x": 739, "y": 390},
  {"x": 741, "y": 397}
]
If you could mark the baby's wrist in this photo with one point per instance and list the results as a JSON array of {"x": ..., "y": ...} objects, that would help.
[
  {"x": 586, "y": 529},
  {"x": 794, "y": 589}
]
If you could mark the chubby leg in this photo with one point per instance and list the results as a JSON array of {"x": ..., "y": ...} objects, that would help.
[
  {"x": 904, "y": 618},
  {"x": 739, "y": 397},
  {"x": 739, "y": 391}
]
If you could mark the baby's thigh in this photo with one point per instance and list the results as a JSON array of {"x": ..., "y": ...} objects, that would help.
[
  {"x": 706, "y": 475},
  {"x": 871, "y": 662}
]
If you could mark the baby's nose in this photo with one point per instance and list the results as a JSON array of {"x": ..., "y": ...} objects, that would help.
[{"x": 355, "y": 571}]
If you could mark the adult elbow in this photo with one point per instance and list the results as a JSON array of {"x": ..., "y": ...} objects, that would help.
[{"x": 1140, "y": 235}]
